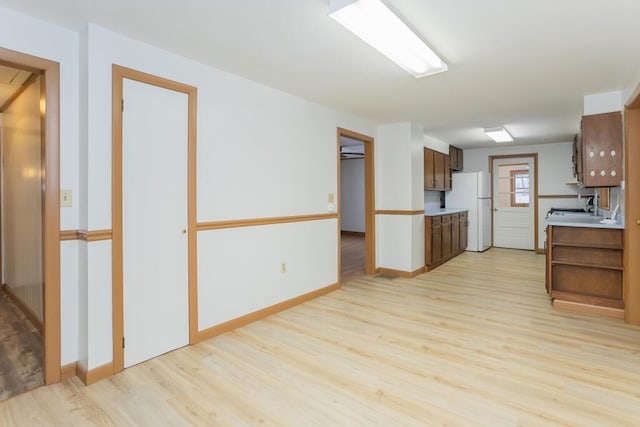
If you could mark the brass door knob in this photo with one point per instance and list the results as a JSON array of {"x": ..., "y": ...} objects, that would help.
[{"x": 637, "y": 221}]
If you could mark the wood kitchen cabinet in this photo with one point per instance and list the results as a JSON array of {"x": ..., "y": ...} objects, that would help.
[
  {"x": 464, "y": 231},
  {"x": 455, "y": 158},
  {"x": 437, "y": 170},
  {"x": 597, "y": 152},
  {"x": 584, "y": 265},
  {"x": 445, "y": 237}
]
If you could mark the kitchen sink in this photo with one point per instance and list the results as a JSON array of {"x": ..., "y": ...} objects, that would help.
[{"x": 571, "y": 214}]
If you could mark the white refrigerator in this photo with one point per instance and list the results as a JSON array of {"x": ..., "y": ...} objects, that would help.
[{"x": 472, "y": 191}]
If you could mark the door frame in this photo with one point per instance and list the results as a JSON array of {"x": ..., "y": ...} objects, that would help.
[
  {"x": 534, "y": 197},
  {"x": 631, "y": 269},
  {"x": 51, "y": 204},
  {"x": 120, "y": 73},
  {"x": 369, "y": 202}
]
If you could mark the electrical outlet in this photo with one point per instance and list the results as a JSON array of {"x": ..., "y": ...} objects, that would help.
[
  {"x": 65, "y": 198},
  {"x": 283, "y": 267}
]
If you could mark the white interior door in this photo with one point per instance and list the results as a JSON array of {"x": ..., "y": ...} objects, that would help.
[
  {"x": 513, "y": 204},
  {"x": 154, "y": 220}
]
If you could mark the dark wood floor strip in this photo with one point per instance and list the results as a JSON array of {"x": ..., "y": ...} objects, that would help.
[{"x": 20, "y": 351}]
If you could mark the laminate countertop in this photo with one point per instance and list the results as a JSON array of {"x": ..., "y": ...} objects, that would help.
[
  {"x": 443, "y": 211},
  {"x": 585, "y": 221}
]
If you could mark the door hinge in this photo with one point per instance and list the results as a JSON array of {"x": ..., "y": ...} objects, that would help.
[
  {"x": 123, "y": 105},
  {"x": 123, "y": 343}
]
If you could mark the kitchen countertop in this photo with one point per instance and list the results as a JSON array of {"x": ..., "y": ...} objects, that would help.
[
  {"x": 443, "y": 211},
  {"x": 580, "y": 221}
]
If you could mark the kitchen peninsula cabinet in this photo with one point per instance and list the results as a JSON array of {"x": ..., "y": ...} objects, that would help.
[
  {"x": 445, "y": 235},
  {"x": 584, "y": 265}
]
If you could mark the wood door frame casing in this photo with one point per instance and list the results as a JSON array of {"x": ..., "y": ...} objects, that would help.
[
  {"x": 631, "y": 271},
  {"x": 51, "y": 205},
  {"x": 120, "y": 73},
  {"x": 369, "y": 201},
  {"x": 534, "y": 197}
]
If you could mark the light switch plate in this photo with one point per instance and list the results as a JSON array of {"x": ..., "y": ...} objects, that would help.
[{"x": 65, "y": 198}]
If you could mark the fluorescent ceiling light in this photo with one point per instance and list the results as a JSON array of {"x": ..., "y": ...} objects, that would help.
[
  {"x": 377, "y": 25},
  {"x": 499, "y": 134}
]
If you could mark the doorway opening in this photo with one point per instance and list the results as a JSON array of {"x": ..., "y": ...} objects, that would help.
[
  {"x": 356, "y": 232},
  {"x": 138, "y": 232},
  {"x": 514, "y": 201},
  {"x": 30, "y": 218},
  {"x": 631, "y": 271}
]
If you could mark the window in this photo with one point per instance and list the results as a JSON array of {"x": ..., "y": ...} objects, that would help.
[{"x": 520, "y": 188}]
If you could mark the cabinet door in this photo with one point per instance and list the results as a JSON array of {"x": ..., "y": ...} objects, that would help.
[
  {"x": 453, "y": 157},
  {"x": 602, "y": 150},
  {"x": 446, "y": 236},
  {"x": 455, "y": 233},
  {"x": 447, "y": 173},
  {"x": 464, "y": 231},
  {"x": 436, "y": 243},
  {"x": 438, "y": 169},
  {"x": 429, "y": 173},
  {"x": 460, "y": 158}
]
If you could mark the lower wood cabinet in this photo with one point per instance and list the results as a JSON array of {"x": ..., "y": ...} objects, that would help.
[
  {"x": 584, "y": 265},
  {"x": 445, "y": 237}
]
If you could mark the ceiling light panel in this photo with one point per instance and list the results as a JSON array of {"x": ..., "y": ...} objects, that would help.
[
  {"x": 376, "y": 24},
  {"x": 498, "y": 134}
]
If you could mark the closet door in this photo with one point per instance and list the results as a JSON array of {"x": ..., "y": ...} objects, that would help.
[{"x": 154, "y": 221}]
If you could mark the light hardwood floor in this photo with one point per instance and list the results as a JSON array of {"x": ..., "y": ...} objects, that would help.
[
  {"x": 474, "y": 342},
  {"x": 352, "y": 253}
]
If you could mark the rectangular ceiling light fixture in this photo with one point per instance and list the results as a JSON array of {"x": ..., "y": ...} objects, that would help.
[
  {"x": 376, "y": 24},
  {"x": 499, "y": 134}
]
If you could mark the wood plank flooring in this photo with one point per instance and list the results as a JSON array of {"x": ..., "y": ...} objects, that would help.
[
  {"x": 474, "y": 342},
  {"x": 20, "y": 351},
  {"x": 352, "y": 253}
]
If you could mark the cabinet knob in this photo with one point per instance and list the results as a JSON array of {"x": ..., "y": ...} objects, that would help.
[
  {"x": 613, "y": 173},
  {"x": 637, "y": 221},
  {"x": 602, "y": 173},
  {"x": 592, "y": 173},
  {"x": 184, "y": 231},
  {"x": 602, "y": 154},
  {"x": 613, "y": 153}
]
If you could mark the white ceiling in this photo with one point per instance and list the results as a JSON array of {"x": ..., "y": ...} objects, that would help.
[{"x": 525, "y": 64}]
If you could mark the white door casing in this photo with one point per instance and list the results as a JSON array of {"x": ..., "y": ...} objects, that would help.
[
  {"x": 513, "y": 223},
  {"x": 154, "y": 221}
]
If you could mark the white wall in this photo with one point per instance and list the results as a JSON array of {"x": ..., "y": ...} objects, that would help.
[
  {"x": 261, "y": 153},
  {"x": 352, "y": 195},
  {"x": 554, "y": 169},
  {"x": 22, "y": 198},
  {"x": 399, "y": 186},
  {"x": 27, "y": 35}
]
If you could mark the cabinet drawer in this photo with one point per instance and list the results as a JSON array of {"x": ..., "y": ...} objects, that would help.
[
  {"x": 597, "y": 257},
  {"x": 589, "y": 237}
]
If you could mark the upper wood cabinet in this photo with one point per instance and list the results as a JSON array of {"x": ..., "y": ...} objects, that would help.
[
  {"x": 598, "y": 150},
  {"x": 456, "y": 158},
  {"x": 437, "y": 170}
]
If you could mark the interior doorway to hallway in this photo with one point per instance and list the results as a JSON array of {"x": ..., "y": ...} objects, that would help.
[
  {"x": 49, "y": 174},
  {"x": 21, "y": 230},
  {"x": 355, "y": 205}
]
